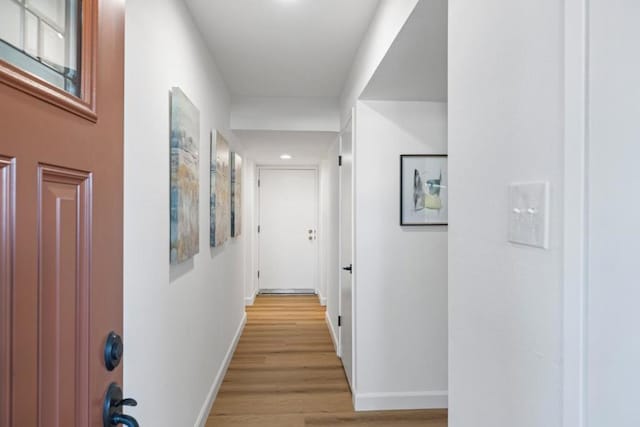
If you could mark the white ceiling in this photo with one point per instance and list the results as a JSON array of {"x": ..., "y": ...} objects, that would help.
[
  {"x": 415, "y": 67},
  {"x": 297, "y": 48},
  {"x": 306, "y": 148}
]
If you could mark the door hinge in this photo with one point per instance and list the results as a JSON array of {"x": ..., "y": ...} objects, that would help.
[
  {"x": 258, "y": 229},
  {"x": 258, "y": 274},
  {"x": 258, "y": 182},
  {"x": 339, "y": 160},
  {"x": 339, "y": 321}
]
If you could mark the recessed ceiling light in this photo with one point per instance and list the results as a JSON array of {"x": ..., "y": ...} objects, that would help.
[{"x": 286, "y": 157}]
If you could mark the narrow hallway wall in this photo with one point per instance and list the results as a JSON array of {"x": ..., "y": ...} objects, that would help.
[
  {"x": 506, "y": 94},
  {"x": 400, "y": 272},
  {"x": 612, "y": 315},
  {"x": 180, "y": 321}
]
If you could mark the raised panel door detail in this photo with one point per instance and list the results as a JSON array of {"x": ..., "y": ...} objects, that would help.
[
  {"x": 63, "y": 296},
  {"x": 7, "y": 254}
]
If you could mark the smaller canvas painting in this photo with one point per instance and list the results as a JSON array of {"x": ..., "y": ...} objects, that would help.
[
  {"x": 222, "y": 205},
  {"x": 236, "y": 195},
  {"x": 424, "y": 190},
  {"x": 185, "y": 141},
  {"x": 212, "y": 188}
]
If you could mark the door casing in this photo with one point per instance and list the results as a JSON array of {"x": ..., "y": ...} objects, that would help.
[{"x": 349, "y": 127}]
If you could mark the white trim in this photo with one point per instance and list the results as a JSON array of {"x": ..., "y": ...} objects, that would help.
[
  {"x": 401, "y": 401},
  {"x": 250, "y": 300},
  {"x": 217, "y": 382},
  {"x": 352, "y": 381},
  {"x": 575, "y": 212},
  {"x": 334, "y": 339},
  {"x": 323, "y": 301},
  {"x": 354, "y": 277}
]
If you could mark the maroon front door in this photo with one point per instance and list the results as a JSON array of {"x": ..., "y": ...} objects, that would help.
[{"x": 61, "y": 177}]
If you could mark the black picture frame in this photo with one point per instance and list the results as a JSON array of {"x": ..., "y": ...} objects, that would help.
[{"x": 403, "y": 222}]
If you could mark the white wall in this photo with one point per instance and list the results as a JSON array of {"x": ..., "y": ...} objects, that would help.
[
  {"x": 250, "y": 227},
  {"x": 285, "y": 114},
  {"x": 613, "y": 346},
  {"x": 401, "y": 280},
  {"x": 323, "y": 225},
  {"x": 179, "y": 321},
  {"x": 389, "y": 19},
  {"x": 505, "y": 125},
  {"x": 332, "y": 238}
]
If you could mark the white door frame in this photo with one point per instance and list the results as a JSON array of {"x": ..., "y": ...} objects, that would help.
[
  {"x": 259, "y": 169},
  {"x": 575, "y": 212},
  {"x": 351, "y": 119}
]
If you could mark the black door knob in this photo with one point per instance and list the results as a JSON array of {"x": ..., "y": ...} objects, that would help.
[
  {"x": 112, "y": 410},
  {"x": 349, "y": 269}
]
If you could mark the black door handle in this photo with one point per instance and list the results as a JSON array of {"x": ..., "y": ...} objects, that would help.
[
  {"x": 125, "y": 420},
  {"x": 112, "y": 410},
  {"x": 349, "y": 269}
]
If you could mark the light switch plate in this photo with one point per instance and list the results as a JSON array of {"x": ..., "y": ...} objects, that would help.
[{"x": 529, "y": 214}]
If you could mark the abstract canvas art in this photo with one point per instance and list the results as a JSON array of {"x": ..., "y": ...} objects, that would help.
[
  {"x": 184, "y": 187},
  {"x": 236, "y": 194},
  {"x": 424, "y": 190},
  {"x": 221, "y": 224}
]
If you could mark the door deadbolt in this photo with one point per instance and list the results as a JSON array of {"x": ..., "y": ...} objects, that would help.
[{"x": 113, "y": 350}]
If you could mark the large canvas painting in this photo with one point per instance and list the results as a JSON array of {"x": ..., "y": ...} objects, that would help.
[
  {"x": 236, "y": 194},
  {"x": 185, "y": 142},
  {"x": 221, "y": 205},
  {"x": 424, "y": 190}
]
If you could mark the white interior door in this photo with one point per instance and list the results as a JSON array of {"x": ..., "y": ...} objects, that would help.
[
  {"x": 346, "y": 251},
  {"x": 288, "y": 245}
]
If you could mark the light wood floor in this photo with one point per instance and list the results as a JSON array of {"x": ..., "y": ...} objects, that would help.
[{"x": 285, "y": 373}]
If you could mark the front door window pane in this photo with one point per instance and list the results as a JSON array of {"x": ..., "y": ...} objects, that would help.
[
  {"x": 10, "y": 22},
  {"x": 43, "y": 38}
]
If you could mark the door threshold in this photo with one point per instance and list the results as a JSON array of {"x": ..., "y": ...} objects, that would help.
[{"x": 287, "y": 292}]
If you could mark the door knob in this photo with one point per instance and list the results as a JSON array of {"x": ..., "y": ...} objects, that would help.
[
  {"x": 349, "y": 269},
  {"x": 112, "y": 410}
]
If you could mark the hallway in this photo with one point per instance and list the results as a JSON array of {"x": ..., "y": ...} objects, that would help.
[{"x": 285, "y": 373}]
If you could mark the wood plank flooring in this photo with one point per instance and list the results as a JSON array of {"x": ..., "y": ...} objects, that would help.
[{"x": 285, "y": 373}]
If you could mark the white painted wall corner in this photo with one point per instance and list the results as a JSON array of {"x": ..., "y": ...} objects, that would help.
[
  {"x": 217, "y": 382},
  {"x": 250, "y": 300}
]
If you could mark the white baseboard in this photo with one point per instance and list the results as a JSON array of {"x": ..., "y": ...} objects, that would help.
[
  {"x": 217, "y": 382},
  {"x": 327, "y": 318},
  {"x": 399, "y": 401},
  {"x": 250, "y": 300},
  {"x": 323, "y": 301}
]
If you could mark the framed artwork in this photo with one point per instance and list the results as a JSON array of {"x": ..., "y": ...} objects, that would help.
[
  {"x": 236, "y": 195},
  {"x": 221, "y": 192},
  {"x": 184, "y": 191},
  {"x": 424, "y": 197}
]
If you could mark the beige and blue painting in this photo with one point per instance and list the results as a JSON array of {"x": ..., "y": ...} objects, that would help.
[
  {"x": 220, "y": 192},
  {"x": 184, "y": 198},
  {"x": 236, "y": 195},
  {"x": 424, "y": 190}
]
